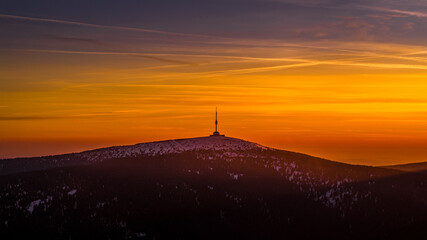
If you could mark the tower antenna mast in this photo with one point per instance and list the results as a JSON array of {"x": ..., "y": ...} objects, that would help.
[
  {"x": 216, "y": 119},
  {"x": 216, "y": 133}
]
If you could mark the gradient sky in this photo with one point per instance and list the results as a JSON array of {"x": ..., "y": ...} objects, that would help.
[{"x": 345, "y": 80}]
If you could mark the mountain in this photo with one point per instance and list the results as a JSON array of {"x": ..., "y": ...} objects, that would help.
[
  {"x": 409, "y": 167},
  {"x": 206, "y": 188}
]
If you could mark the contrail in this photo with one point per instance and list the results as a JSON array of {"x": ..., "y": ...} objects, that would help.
[
  {"x": 300, "y": 62},
  {"x": 141, "y": 54},
  {"x": 157, "y": 57},
  {"x": 218, "y": 39},
  {"x": 409, "y": 13},
  {"x": 134, "y": 29}
]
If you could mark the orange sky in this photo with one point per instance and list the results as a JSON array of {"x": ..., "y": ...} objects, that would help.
[{"x": 361, "y": 102}]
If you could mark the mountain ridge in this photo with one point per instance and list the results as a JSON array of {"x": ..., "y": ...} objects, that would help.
[
  {"x": 216, "y": 143},
  {"x": 142, "y": 144},
  {"x": 408, "y": 167},
  {"x": 222, "y": 185}
]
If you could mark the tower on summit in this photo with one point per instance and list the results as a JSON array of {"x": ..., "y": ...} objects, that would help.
[{"x": 216, "y": 133}]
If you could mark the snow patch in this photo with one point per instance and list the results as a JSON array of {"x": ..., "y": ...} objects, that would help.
[
  {"x": 141, "y": 234},
  {"x": 72, "y": 192},
  {"x": 33, "y": 204},
  {"x": 171, "y": 147},
  {"x": 235, "y": 176}
]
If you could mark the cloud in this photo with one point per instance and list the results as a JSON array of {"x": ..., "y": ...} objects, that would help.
[
  {"x": 311, "y": 62},
  {"x": 143, "y": 55},
  {"x": 75, "y": 39},
  {"x": 408, "y": 13},
  {"x": 163, "y": 59},
  {"x": 272, "y": 68},
  {"x": 83, "y": 24},
  {"x": 14, "y": 118},
  {"x": 159, "y": 56},
  {"x": 47, "y": 117}
]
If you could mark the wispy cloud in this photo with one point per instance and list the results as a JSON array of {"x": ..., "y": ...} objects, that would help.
[
  {"x": 295, "y": 62},
  {"x": 389, "y": 10},
  {"x": 15, "y": 118},
  {"x": 75, "y": 39},
  {"x": 316, "y": 63},
  {"x": 271, "y": 68},
  {"x": 159, "y": 56},
  {"x": 92, "y": 25},
  {"x": 164, "y": 59},
  {"x": 55, "y": 117},
  {"x": 378, "y": 65},
  {"x": 143, "y": 55}
]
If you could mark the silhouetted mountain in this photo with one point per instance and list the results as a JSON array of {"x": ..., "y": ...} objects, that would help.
[
  {"x": 409, "y": 167},
  {"x": 206, "y": 188}
]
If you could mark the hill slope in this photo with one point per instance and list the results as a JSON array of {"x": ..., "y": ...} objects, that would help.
[
  {"x": 410, "y": 167},
  {"x": 219, "y": 143},
  {"x": 210, "y": 187}
]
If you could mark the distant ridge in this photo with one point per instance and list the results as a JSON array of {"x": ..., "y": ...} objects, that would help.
[{"x": 409, "y": 167}]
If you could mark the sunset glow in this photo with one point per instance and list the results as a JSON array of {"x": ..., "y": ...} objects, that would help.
[{"x": 351, "y": 88}]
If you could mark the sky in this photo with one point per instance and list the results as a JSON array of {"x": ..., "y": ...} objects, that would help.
[{"x": 343, "y": 80}]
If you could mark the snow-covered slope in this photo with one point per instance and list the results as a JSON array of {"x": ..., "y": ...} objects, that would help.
[
  {"x": 218, "y": 143},
  {"x": 150, "y": 149}
]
